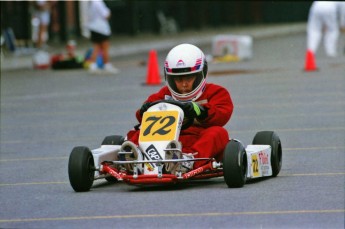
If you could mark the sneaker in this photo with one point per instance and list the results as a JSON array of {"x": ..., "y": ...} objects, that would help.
[
  {"x": 188, "y": 164},
  {"x": 93, "y": 68},
  {"x": 108, "y": 67},
  {"x": 174, "y": 153},
  {"x": 135, "y": 154}
]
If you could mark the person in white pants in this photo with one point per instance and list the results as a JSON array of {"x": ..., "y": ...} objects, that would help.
[
  {"x": 41, "y": 13},
  {"x": 324, "y": 21}
]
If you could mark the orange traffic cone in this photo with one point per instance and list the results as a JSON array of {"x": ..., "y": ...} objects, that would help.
[
  {"x": 153, "y": 76},
  {"x": 310, "y": 64}
]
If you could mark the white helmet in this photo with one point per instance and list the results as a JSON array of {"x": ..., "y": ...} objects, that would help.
[{"x": 186, "y": 59}]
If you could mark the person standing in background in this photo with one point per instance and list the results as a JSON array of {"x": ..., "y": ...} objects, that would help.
[
  {"x": 98, "y": 16},
  {"x": 324, "y": 21},
  {"x": 42, "y": 13}
]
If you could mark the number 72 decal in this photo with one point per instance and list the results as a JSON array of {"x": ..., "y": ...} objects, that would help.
[
  {"x": 158, "y": 126},
  {"x": 255, "y": 165}
]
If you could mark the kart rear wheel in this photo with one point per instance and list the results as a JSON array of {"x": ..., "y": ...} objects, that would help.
[
  {"x": 272, "y": 139},
  {"x": 235, "y": 164},
  {"x": 113, "y": 140},
  {"x": 81, "y": 169}
]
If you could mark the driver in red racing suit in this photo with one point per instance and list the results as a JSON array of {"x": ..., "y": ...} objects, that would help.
[{"x": 210, "y": 105}]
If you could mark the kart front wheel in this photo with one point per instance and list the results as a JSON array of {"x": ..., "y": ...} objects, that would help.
[
  {"x": 272, "y": 139},
  {"x": 235, "y": 164},
  {"x": 81, "y": 169}
]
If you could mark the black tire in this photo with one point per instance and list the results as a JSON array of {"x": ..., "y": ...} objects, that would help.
[
  {"x": 272, "y": 139},
  {"x": 81, "y": 169},
  {"x": 113, "y": 140},
  {"x": 235, "y": 164}
]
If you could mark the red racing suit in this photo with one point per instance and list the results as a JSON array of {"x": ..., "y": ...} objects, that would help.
[{"x": 206, "y": 137}]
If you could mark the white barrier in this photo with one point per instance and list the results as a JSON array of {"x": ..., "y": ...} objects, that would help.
[{"x": 232, "y": 47}]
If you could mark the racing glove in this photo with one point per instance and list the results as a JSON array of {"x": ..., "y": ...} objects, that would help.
[
  {"x": 144, "y": 108},
  {"x": 194, "y": 110}
]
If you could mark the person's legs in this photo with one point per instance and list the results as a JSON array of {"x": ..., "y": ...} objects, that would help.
[
  {"x": 133, "y": 136},
  {"x": 95, "y": 52},
  {"x": 44, "y": 19},
  {"x": 41, "y": 35},
  {"x": 96, "y": 40},
  {"x": 101, "y": 46},
  {"x": 331, "y": 35},
  {"x": 104, "y": 45},
  {"x": 105, "y": 54},
  {"x": 211, "y": 144},
  {"x": 93, "y": 58},
  {"x": 314, "y": 32}
]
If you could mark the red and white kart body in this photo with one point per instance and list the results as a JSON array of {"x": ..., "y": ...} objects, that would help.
[{"x": 158, "y": 158}]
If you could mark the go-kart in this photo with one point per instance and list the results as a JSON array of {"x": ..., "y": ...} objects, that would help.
[{"x": 158, "y": 159}]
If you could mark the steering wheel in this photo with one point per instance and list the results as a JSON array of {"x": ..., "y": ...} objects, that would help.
[{"x": 187, "y": 122}]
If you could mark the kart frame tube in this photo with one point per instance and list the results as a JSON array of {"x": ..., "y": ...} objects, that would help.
[{"x": 163, "y": 178}]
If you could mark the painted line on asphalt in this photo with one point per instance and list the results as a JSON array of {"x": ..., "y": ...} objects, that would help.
[
  {"x": 35, "y": 183},
  {"x": 59, "y": 114},
  {"x": 233, "y": 132},
  {"x": 74, "y": 124},
  {"x": 314, "y": 148},
  {"x": 312, "y": 174},
  {"x": 66, "y": 182},
  {"x": 291, "y": 115},
  {"x": 206, "y": 214},
  {"x": 293, "y": 130},
  {"x": 34, "y": 159},
  {"x": 65, "y": 158},
  {"x": 291, "y": 104}
]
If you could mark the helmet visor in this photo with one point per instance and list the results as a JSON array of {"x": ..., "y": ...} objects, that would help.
[{"x": 191, "y": 81}]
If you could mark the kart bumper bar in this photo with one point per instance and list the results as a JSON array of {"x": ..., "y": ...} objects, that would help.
[{"x": 205, "y": 171}]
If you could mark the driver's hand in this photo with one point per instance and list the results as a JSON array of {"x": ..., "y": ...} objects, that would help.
[
  {"x": 194, "y": 110},
  {"x": 144, "y": 108}
]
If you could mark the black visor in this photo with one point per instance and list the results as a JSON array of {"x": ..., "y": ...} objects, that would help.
[{"x": 171, "y": 79}]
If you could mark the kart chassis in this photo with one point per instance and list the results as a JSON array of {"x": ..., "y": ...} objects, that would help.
[{"x": 160, "y": 128}]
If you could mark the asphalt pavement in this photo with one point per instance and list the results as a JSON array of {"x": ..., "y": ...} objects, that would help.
[{"x": 45, "y": 113}]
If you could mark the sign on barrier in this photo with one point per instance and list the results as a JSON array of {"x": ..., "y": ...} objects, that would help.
[{"x": 232, "y": 47}]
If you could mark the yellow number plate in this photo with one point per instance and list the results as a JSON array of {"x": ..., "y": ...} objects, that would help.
[{"x": 158, "y": 126}]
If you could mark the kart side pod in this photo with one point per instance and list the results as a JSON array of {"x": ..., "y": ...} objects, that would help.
[
  {"x": 104, "y": 153},
  {"x": 261, "y": 159},
  {"x": 258, "y": 161}
]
